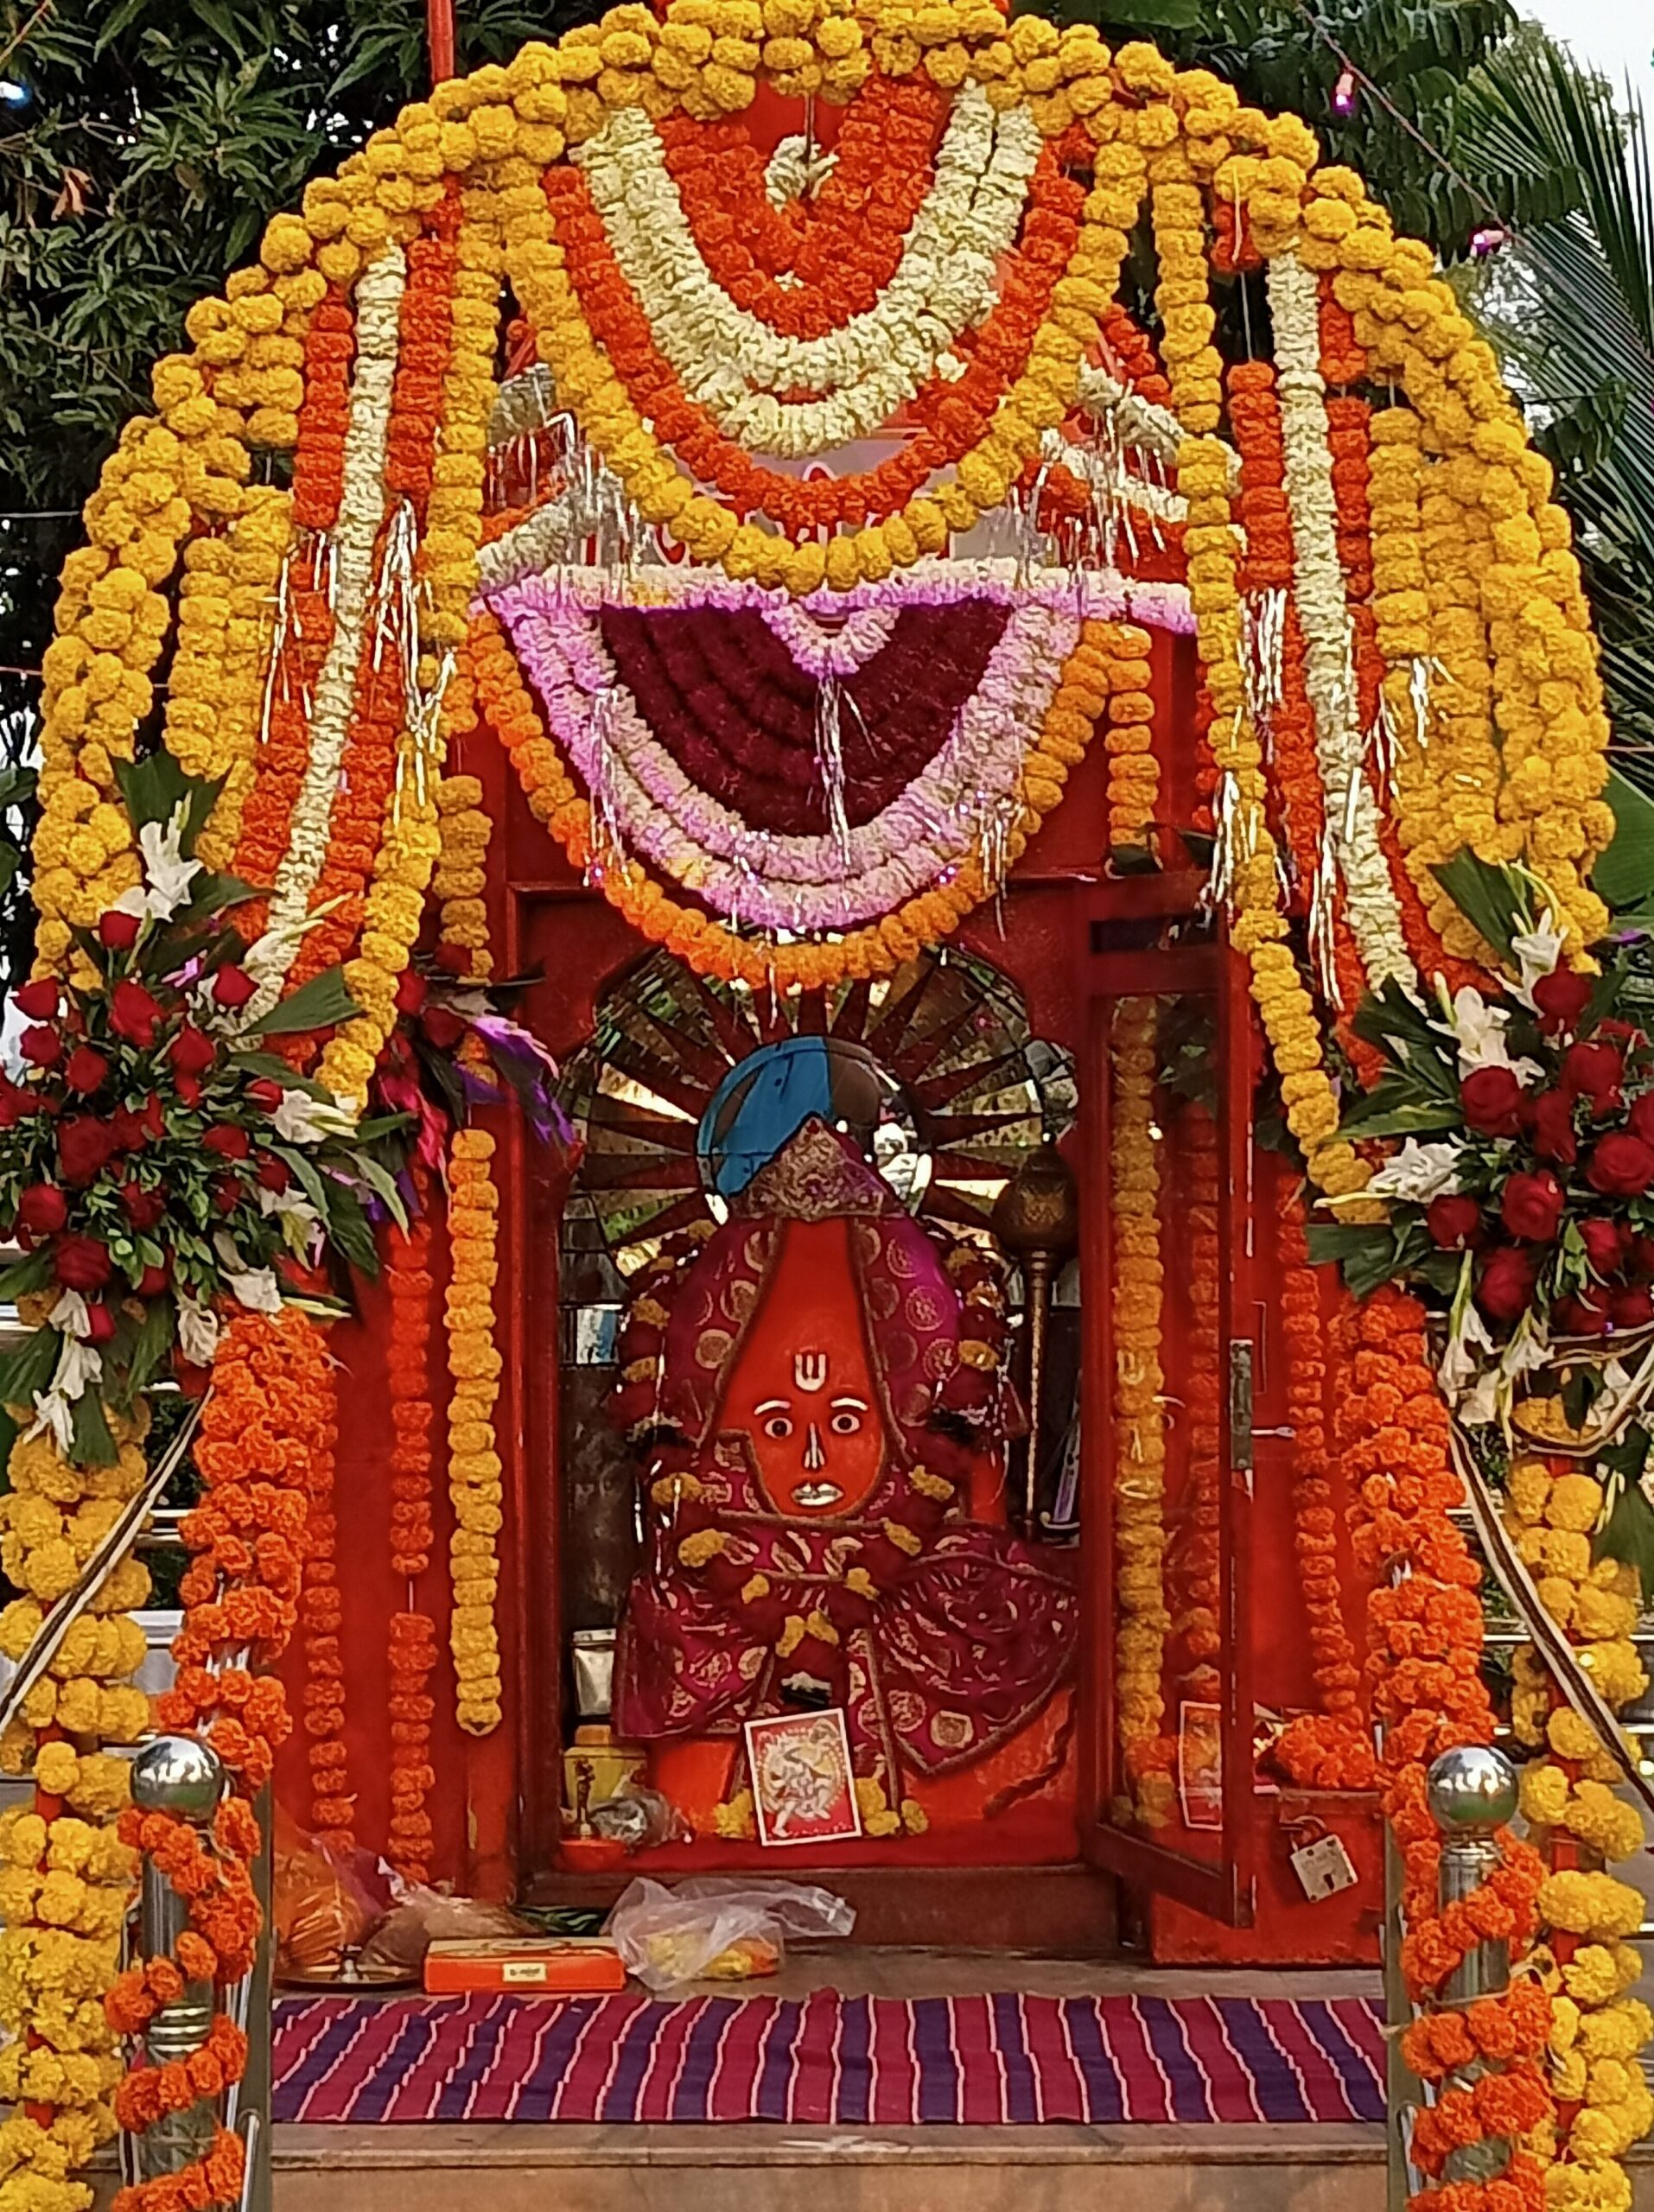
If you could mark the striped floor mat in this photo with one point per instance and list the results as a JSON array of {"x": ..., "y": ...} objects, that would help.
[{"x": 826, "y": 2059}]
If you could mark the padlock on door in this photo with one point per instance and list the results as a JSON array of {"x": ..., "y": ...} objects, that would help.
[{"x": 1321, "y": 1863}]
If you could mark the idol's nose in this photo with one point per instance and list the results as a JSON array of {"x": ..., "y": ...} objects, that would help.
[{"x": 815, "y": 1458}]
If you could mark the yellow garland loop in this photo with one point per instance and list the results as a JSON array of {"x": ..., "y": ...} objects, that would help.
[{"x": 473, "y": 1465}]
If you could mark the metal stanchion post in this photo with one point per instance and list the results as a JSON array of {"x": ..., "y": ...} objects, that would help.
[
  {"x": 183, "y": 1776},
  {"x": 1472, "y": 1791}
]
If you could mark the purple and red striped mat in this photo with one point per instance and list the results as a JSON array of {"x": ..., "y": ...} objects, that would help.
[{"x": 825, "y": 2059}]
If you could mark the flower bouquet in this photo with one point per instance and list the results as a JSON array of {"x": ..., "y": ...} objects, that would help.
[
  {"x": 156, "y": 1162},
  {"x": 1520, "y": 1202}
]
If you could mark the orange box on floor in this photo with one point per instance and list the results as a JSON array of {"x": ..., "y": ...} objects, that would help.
[{"x": 558, "y": 1965}]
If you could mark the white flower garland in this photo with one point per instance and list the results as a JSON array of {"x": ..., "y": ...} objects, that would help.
[
  {"x": 361, "y": 512},
  {"x": 797, "y": 167},
  {"x": 840, "y": 651},
  {"x": 1352, "y": 813},
  {"x": 733, "y": 363}
]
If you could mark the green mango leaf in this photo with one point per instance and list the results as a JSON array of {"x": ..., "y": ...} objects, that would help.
[
  {"x": 379, "y": 1180},
  {"x": 155, "y": 1338},
  {"x": 93, "y": 1446},
  {"x": 323, "y": 1003},
  {"x": 304, "y": 1173},
  {"x": 30, "y": 1366},
  {"x": 1417, "y": 1117},
  {"x": 1364, "y": 1251},
  {"x": 1492, "y": 900},
  {"x": 350, "y": 1230},
  {"x": 266, "y": 1063},
  {"x": 155, "y": 787},
  {"x": 32, "y": 1273}
]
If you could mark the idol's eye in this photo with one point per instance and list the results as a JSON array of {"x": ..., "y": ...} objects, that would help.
[
  {"x": 778, "y": 1426},
  {"x": 846, "y": 1421}
]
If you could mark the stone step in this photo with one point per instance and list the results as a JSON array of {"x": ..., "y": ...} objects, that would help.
[{"x": 571, "y": 2168}]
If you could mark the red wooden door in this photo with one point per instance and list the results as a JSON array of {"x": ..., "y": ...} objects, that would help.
[{"x": 1170, "y": 1323}]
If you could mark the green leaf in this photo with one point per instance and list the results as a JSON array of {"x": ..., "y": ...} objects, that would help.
[
  {"x": 314, "y": 1187},
  {"x": 350, "y": 1230},
  {"x": 378, "y": 1178},
  {"x": 32, "y": 1273},
  {"x": 323, "y": 1003},
  {"x": 1364, "y": 1251},
  {"x": 1393, "y": 1108},
  {"x": 1492, "y": 900},
  {"x": 278, "y": 1070},
  {"x": 155, "y": 1338},
  {"x": 155, "y": 787},
  {"x": 29, "y": 1368},
  {"x": 93, "y": 1446},
  {"x": 1624, "y": 875},
  {"x": 1628, "y": 1535}
]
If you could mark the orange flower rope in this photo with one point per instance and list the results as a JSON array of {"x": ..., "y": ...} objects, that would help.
[{"x": 264, "y": 1432}]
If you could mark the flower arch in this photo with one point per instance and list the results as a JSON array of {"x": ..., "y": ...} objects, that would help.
[{"x": 315, "y": 548}]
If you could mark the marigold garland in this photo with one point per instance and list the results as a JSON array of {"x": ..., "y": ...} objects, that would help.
[
  {"x": 473, "y": 1465},
  {"x": 1139, "y": 1485},
  {"x": 265, "y": 1434}
]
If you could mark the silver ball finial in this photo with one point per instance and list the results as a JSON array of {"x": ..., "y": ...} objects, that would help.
[
  {"x": 179, "y": 1775},
  {"x": 1472, "y": 1787}
]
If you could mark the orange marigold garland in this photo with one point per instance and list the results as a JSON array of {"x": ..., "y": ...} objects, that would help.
[
  {"x": 474, "y": 1467},
  {"x": 263, "y": 1431},
  {"x": 321, "y": 1610},
  {"x": 1425, "y": 1634},
  {"x": 1331, "y": 1748}
]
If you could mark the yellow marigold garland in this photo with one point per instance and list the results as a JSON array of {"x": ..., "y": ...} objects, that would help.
[
  {"x": 461, "y": 876},
  {"x": 65, "y": 1877},
  {"x": 1133, "y": 768},
  {"x": 474, "y": 1467},
  {"x": 1142, "y": 1616}
]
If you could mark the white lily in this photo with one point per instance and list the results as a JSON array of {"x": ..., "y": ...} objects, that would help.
[
  {"x": 70, "y": 1316},
  {"x": 1460, "y": 1363},
  {"x": 1419, "y": 1171},
  {"x": 167, "y": 873},
  {"x": 256, "y": 1288},
  {"x": 52, "y": 1414},
  {"x": 198, "y": 1331},
  {"x": 1537, "y": 952},
  {"x": 301, "y": 1119},
  {"x": 1479, "y": 1030}
]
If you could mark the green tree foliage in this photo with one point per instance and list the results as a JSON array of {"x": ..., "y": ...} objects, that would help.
[{"x": 143, "y": 145}]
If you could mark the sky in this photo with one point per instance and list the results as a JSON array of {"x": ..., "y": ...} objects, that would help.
[{"x": 1615, "y": 37}]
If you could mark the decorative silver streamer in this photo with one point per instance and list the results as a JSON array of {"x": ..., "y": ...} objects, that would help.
[
  {"x": 1263, "y": 634},
  {"x": 287, "y": 624},
  {"x": 829, "y": 760},
  {"x": 1323, "y": 906},
  {"x": 607, "y": 838}
]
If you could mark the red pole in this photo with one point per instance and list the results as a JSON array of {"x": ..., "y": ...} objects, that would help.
[{"x": 439, "y": 18}]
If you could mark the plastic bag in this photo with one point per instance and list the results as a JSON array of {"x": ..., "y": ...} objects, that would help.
[
  {"x": 718, "y": 1928},
  {"x": 640, "y": 1818},
  {"x": 325, "y": 1903},
  {"x": 422, "y": 1917}
]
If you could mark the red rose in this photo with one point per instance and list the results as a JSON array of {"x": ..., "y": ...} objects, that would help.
[
  {"x": 411, "y": 991},
  {"x": 1604, "y": 1244},
  {"x": 133, "y": 1014},
  {"x": 118, "y": 931},
  {"x": 80, "y": 1263},
  {"x": 1640, "y": 1120},
  {"x": 42, "y": 1208},
  {"x": 1640, "y": 1258},
  {"x": 1492, "y": 1099},
  {"x": 265, "y": 1093},
  {"x": 85, "y": 1146},
  {"x": 232, "y": 986},
  {"x": 85, "y": 1069},
  {"x": 226, "y": 1193},
  {"x": 1531, "y": 1205},
  {"x": 1594, "y": 1070},
  {"x": 37, "y": 1000},
  {"x": 443, "y": 1026},
  {"x": 1562, "y": 997},
  {"x": 1507, "y": 1282},
  {"x": 189, "y": 1090},
  {"x": 100, "y": 1324},
  {"x": 1454, "y": 1223},
  {"x": 1634, "y": 1308},
  {"x": 227, "y": 1140},
  {"x": 1586, "y": 1315},
  {"x": 141, "y": 1208},
  {"x": 192, "y": 1051},
  {"x": 1551, "y": 1124},
  {"x": 15, "y": 1102},
  {"x": 41, "y": 1048},
  {"x": 272, "y": 1173},
  {"x": 152, "y": 1282},
  {"x": 1620, "y": 1165}
]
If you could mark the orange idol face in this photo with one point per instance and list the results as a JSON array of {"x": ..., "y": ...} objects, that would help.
[{"x": 803, "y": 1388}]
